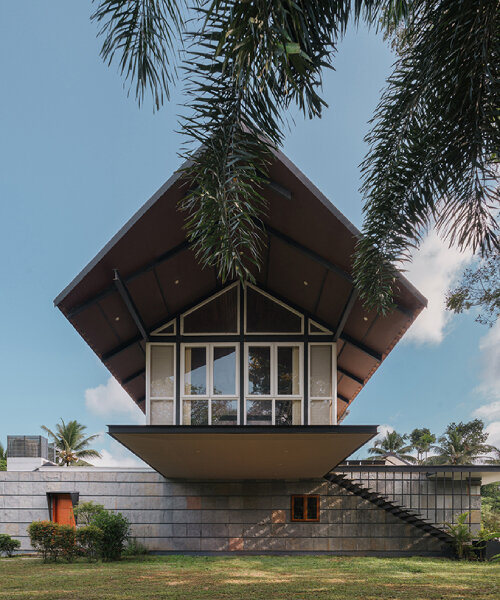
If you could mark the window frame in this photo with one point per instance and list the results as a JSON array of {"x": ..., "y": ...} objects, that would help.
[
  {"x": 150, "y": 398},
  {"x": 195, "y": 308},
  {"x": 280, "y": 303},
  {"x": 303, "y": 498},
  {"x": 333, "y": 397},
  {"x": 209, "y": 396},
  {"x": 273, "y": 396}
]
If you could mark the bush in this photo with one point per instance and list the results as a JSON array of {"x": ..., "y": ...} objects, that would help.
[
  {"x": 8, "y": 544},
  {"x": 53, "y": 540},
  {"x": 135, "y": 548},
  {"x": 89, "y": 539},
  {"x": 86, "y": 511},
  {"x": 42, "y": 536},
  {"x": 115, "y": 530},
  {"x": 65, "y": 542}
]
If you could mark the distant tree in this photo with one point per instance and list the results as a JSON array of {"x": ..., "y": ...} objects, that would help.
[
  {"x": 421, "y": 441},
  {"x": 479, "y": 288},
  {"x": 72, "y": 447},
  {"x": 3, "y": 458},
  {"x": 494, "y": 458},
  {"x": 462, "y": 444},
  {"x": 395, "y": 443}
]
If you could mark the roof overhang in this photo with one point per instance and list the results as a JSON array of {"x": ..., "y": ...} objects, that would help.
[
  {"x": 243, "y": 452},
  {"x": 307, "y": 262}
]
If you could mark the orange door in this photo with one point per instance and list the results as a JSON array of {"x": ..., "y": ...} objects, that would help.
[{"x": 62, "y": 511}]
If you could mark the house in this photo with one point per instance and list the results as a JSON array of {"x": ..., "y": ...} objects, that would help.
[{"x": 245, "y": 388}]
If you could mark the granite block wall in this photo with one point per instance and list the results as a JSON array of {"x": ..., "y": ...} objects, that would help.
[{"x": 206, "y": 517}]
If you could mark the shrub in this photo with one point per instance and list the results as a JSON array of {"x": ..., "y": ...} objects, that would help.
[
  {"x": 53, "y": 540},
  {"x": 135, "y": 548},
  {"x": 8, "y": 544},
  {"x": 86, "y": 511},
  {"x": 89, "y": 539},
  {"x": 461, "y": 537},
  {"x": 42, "y": 535},
  {"x": 115, "y": 530},
  {"x": 65, "y": 541}
]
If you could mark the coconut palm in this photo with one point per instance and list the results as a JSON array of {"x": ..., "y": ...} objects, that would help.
[
  {"x": 433, "y": 145},
  {"x": 421, "y": 441},
  {"x": 393, "y": 443},
  {"x": 462, "y": 444},
  {"x": 71, "y": 444}
]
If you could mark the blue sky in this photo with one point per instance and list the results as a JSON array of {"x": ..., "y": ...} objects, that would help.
[{"x": 78, "y": 157}]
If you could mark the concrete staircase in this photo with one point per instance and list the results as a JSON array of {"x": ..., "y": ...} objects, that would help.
[{"x": 405, "y": 514}]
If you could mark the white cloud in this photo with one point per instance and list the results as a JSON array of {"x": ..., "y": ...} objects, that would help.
[
  {"x": 110, "y": 460},
  {"x": 383, "y": 430},
  {"x": 489, "y": 387},
  {"x": 110, "y": 399},
  {"x": 434, "y": 269}
]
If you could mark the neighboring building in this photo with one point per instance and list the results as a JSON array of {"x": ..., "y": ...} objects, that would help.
[{"x": 244, "y": 388}]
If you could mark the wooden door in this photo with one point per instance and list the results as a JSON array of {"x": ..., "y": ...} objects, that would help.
[{"x": 62, "y": 509}]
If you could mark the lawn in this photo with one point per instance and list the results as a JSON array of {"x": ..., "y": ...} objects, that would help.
[{"x": 250, "y": 578}]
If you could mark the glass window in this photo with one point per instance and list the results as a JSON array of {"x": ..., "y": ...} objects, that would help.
[
  {"x": 288, "y": 370},
  {"x": 321, "y": 371},
  {"x": 224, "y": 412},
  {"x": 162, "y": 412},
  {"x": 195, "y": 371},
  {"x": 162, "y": 372},
  {"x": 305, "y": 508},
  {"x": 287, "y": 412},
  {"x": 224, "y": 371},
  {"x": 219, "y": 315},
  {"x": 210, "y": 371},
  {"x": 264, "y": 315},
  {"x": 195, "y": 412},
  {"x": 259, "y": 370},
  {"x": 259, "y": 412},
  {"x": 321, "y": 412}
]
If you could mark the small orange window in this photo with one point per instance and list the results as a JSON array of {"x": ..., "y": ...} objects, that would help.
[
  {"x": 62, "y": 509},
  {"x": 305, "y": 508}
]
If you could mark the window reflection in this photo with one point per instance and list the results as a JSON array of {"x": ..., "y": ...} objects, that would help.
[
  {"x": 195, "y": 412},
  {"x": 224, "y": 371},
  {"x": 224, "y": 412},
  {"x": 288, "y": 370},
  {"x": 259, "y": 412},
  {"x": 195, "y": 370},
  {"x": 259, "y": 370}
]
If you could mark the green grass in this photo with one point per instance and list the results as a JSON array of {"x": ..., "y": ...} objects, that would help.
[{"x": 250, "y": 578}]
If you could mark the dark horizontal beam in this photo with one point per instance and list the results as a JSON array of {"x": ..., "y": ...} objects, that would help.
[
  {"x": 363, "y": 347},
  {"x": 129, "y": 303},
  {"x": 343, "y": 398},
  {"x": 149, "y": 267},
  {"x": 350, "y": 375},
  {"x": 279, "y": 189},
  {"x": 121, "y": 348},
  {"x": 133, "y": 376}
]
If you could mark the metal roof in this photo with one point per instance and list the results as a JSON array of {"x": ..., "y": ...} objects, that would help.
[{"x": 308, "y": 240}]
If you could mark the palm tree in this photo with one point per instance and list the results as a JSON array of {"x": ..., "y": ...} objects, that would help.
[
  {"x": 71, "y": 444},
  {"x": 435, "y": 134},
  {"x": 462, "y": 444},
  {"x": 421, "y": 441},
  {"x": 393, "y": 443}
]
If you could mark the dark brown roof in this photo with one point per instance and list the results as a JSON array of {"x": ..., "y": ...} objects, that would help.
[{"x": 308, "y": 240}]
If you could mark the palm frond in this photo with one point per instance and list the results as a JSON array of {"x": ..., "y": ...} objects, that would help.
[
  {"x": 434, "y": 143},
  {"x": 142, "y": 35}
]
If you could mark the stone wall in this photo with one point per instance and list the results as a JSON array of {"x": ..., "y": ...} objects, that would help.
[
  {"x": 438, "y": 498},
  {"x": 246, "y": 516}
]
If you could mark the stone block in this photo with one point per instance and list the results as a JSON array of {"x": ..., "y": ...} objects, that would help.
[
  {"x": 299, "y": 544},
  {"x": 187, "y": 516},
  {"x": 214, "y": 516},
  {"x": 258, "y": 530},
  {"x": 193, "y": 502},
  {"x": 214, "y": 544},
  {"x": 179, "y": 529},
  {"x": 193, "y": 529},
  {"x": 214, "y": 530}
]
